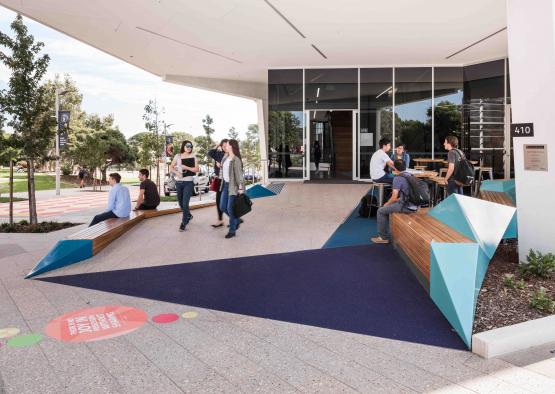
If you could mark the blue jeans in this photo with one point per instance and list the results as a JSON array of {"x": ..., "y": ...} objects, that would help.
[
  {"x": 452, "y": 187},
  {"x": 383, "y": 217},
  {"x": 226, "y": 205},
  {"x": 184, "y": 193},
  {"x": 387, "y": 178}
]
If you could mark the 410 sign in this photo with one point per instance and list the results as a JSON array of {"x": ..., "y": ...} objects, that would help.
[{"x": 522, "y": 129}]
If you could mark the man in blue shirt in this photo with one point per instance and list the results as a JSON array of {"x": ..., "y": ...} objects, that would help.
[
  {"x": 398, "y": 202},
  {"x": 119, "y": 201},
  {"x": 401, "y": 153}
]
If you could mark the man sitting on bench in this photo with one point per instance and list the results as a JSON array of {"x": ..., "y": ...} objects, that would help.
[
  {"x": 119, "y": 202},
  {"x": 148, "y": 192},
  {"x": 398, "y": 202}
]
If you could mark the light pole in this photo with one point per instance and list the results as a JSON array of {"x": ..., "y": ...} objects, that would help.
[{"x": 59, "y": 92}]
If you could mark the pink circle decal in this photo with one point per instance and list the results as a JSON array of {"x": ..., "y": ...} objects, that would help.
[
  {"x": 165, "y": 318},
  {"x": 97, "y": 323}
]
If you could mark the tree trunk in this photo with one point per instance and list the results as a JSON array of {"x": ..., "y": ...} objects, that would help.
[
  {"x": 11, "y": 192},
  {"x": 103, "y": 172},
  {"x": 31, "y": 192},
  {"x": 158, "y": 176}
]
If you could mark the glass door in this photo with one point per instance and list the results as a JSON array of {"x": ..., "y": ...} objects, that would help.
[{"x": 306, "y": 147}]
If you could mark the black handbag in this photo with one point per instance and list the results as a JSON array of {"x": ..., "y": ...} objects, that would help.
[{"x": 242, "y": 205}]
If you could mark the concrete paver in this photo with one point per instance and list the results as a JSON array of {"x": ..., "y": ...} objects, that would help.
[{"x": 220, "y": 351}]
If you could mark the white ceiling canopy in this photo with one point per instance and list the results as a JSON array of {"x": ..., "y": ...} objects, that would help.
[{"x": 241, "y": 39}]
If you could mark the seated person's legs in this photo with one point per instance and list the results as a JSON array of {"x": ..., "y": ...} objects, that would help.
[
  {"x": 387, "y": 178},
  {"x": 102, "y": 217},
  {"x": 144, "y": 207}
]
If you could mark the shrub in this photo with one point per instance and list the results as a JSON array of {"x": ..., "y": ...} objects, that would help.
[
  {"x": 538, "y": 264},
  {"x": 520, "y": 284},
  {"x": 509, "y": 281},
  {"x": 541, "y": 301},
  {"x": 66, "y": 169}
]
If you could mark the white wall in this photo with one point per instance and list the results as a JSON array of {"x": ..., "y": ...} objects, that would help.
[{"x": 531, "y": 35}]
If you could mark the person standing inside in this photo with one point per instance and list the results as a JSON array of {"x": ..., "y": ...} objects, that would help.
[
  {"x": 317, "y": 154},
  {"x": 232, "y": 173},
  {"x": 380, "y": 160},
  {"x": 454, "y": 155},
  {"x": 217, "y": 154},
  {"x": 119, "y": 201},
  {"x": 149, "y": 198},
  {"x": 184, "y": 166}
]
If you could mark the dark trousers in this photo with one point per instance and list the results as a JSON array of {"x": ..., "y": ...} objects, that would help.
[
  {"x": 226, "y": 205},
  {"x": 387, "y": 178},
  {"x": 184, "y": 193},
  {"x": 218, "y": 201},
  {"x": 144, "y": 207},
  {"x": 453, "y": 188},
  {"x": 102, "y": 217}
]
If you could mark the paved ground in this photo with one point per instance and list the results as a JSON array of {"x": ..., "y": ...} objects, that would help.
[{"x": 224, "y": 352}]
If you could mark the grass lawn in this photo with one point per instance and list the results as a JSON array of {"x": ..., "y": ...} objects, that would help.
[
  {"x": 168, "y": 198},
  {"x": 7, "y": 199},
  {"x": 42, "y": 182}
]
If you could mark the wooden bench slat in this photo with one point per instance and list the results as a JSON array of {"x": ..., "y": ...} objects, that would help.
[
  {"x": 496, "y": 197},
  {"x": 413, "y": 234}
]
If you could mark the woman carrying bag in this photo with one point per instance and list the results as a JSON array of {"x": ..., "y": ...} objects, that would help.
[
  {"x": 233, "y": 184},
  {"x": 217, "y": 154},
  {"x": 184, "y": 166}
]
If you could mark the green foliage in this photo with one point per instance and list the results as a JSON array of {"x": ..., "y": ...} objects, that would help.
[
  {"x": 26, "y": 100},
  {"x": 541, "y": 301},
  {"x": 144, "y": 147},
  {"x": 250, "y": 148},
  {"x": 508, "y": 281},
  {"x": 203, "y": 144},
  {"x": 233, "y": 134},
  {"x": 66, "y": 169},
  {"x": 285, "y": 129},
  {"x": 538, "y": 264},
  {"x": 520, "y": 284}
]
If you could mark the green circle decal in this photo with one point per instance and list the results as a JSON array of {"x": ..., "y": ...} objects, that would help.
[{"x": 25, "y": 340}]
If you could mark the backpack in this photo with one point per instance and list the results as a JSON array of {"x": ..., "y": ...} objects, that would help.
[
  {"x": 419, "y": 193},
  {"x": 464, "y": 171},
  {"x": 366, "y": 210}
]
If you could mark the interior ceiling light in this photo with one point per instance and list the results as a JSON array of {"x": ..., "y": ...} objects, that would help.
[
  {"x": 319, "y": 51},
  {"x": 384, "y": 92},
  {"x": 476, "y": 43},
  {"x": 284, "y": 18},
  {"x": 189, "y": 45},
  {"x": 317, "y": 92}
]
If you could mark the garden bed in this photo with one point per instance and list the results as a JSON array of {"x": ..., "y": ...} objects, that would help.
[
  {"x": 43, "y": 227},
  {"x": 505, "y": 300}
]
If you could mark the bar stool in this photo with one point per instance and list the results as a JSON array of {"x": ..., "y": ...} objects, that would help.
[
  {"x": 381, "y": 191},
  {"x": 421, "y": 168},
  {"x": 480, "y": 178},
  {"x": 442, "y": 172}
]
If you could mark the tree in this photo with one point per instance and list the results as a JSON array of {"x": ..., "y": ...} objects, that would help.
[
  {"x": 205, "y": 143},
  {"x": 233, "y": 134},
  {"x": 10, "y": 152},
  {"x": 153, "y": 124},
  {"x": 26, "y": 100},
  {"x": 250, "y": 148}
]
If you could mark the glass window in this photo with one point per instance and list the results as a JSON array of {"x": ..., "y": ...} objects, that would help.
[
  {"x": 331, "y": 88},
  {"x": 448, "y": 99},
  {"x": 376, "y": 112},
  {"x": 285, "y": 134},
  {"x": 484, "y": 114},
  {"x": 413, "y": 110}
]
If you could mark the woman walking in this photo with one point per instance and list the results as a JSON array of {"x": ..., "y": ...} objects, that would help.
[
  {"x": 217, "y": 154},
  {"x": 232, "y": 173},
  {"x": 184, "y": 166}
]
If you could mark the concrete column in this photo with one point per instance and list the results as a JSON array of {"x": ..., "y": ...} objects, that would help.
[
  {"x": 531, "y": 40},
  {"x": 262, "y": 109}
]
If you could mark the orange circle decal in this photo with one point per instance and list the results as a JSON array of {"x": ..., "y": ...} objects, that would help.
[{"x": 94, "y": 324}]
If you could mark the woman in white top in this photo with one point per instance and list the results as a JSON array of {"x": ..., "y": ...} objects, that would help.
[{"x": 184, "y": 166}]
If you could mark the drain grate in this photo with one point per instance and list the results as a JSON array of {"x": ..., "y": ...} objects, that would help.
[{"x": 275, "y": 187}]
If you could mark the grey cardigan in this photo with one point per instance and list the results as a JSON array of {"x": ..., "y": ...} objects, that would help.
[{"x": 236, "y": 181}]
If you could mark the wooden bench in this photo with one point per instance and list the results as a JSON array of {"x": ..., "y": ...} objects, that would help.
[
  {"x": 90, "y": 241},
  {"x": 497, "y": 197},
  {"x": 413, "y": 234}
]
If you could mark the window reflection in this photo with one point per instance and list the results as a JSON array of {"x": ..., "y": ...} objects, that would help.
[
  {"x": 285, "y": 134},
  {"x": 448, "y": 98},
  {"x": 331, "y": 88},
  {"x": 413, "y": 110},
  {"x": 376, "y": 112}
]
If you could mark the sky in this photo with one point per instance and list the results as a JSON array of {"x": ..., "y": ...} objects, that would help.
[{"x": 111, "y": 86}]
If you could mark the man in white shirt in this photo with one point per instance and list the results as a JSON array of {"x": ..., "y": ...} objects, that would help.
[{"x": 380, "y": 160}]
